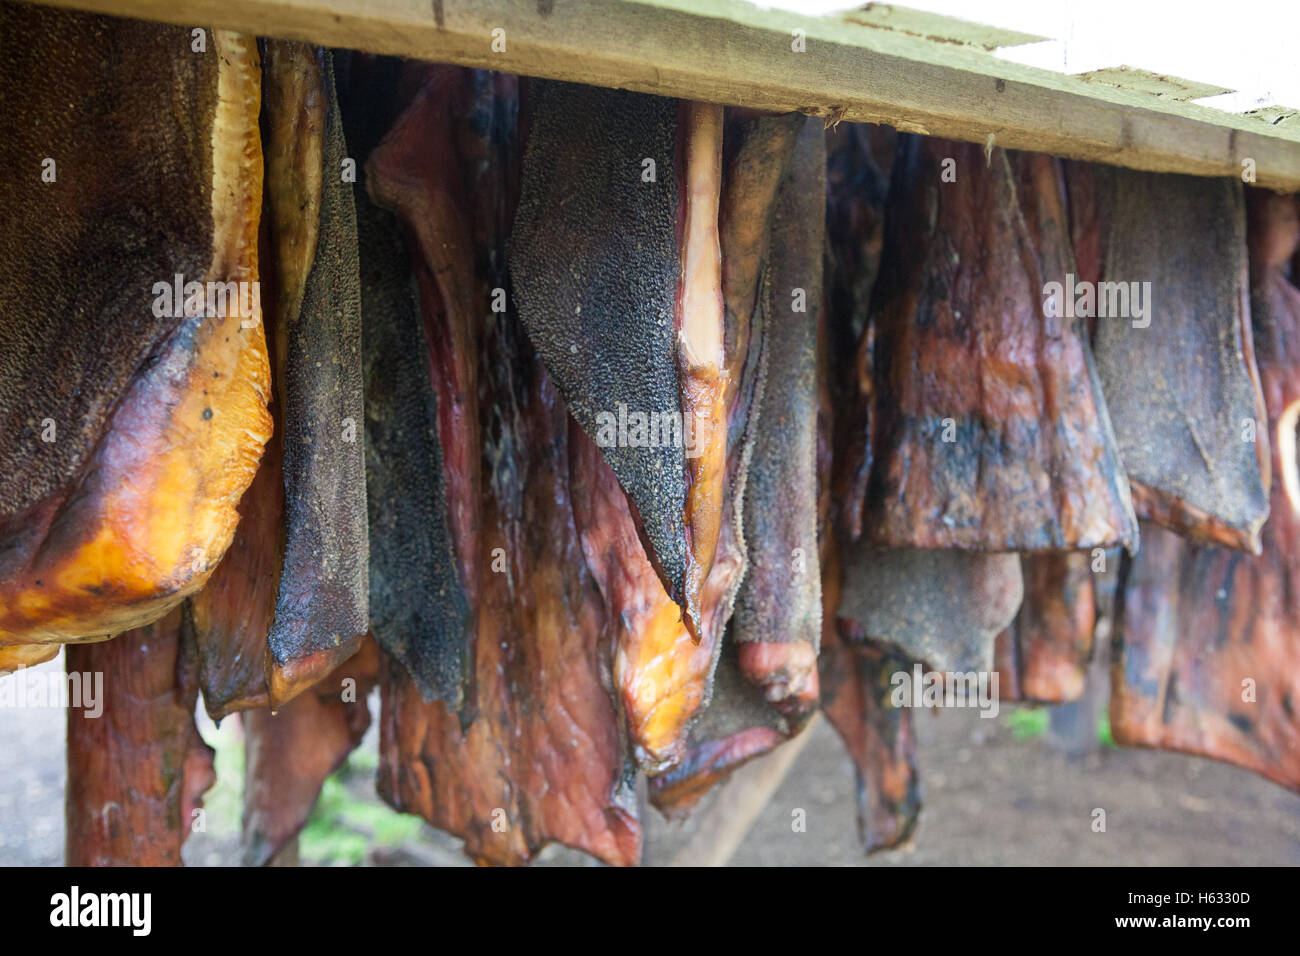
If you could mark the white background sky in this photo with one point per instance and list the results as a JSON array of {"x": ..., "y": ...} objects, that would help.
[{"x": 1248, "y": 45}]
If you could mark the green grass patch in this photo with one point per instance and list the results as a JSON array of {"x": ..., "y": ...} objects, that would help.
[{"x": 1027, "y": 722}]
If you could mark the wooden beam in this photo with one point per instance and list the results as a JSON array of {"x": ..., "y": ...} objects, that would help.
[{"x": 731, "y": 52}]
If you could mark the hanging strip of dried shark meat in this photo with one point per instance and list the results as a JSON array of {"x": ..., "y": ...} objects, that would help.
[
  {"x": 1208, "y": 638},
  {"x": 663, "y": 677},
  {"x": 766, "y": 682},
  {"x": 229, "y": 619},
  {"x": 288, "y": 754},
  {"x": 137, "y": 767},
  {"x": 321, "y": 610},
  {"x": 1174, "y": 351},
  {"x": 778, "y": 608},
  {"x": 942, "y": 607},
  {"x": 1043, "y": 656},
  {"x": 419, "y": 610},
  {"x": 121, "y": 471},
  {"x": 615, "y": 256},
  {"x": 988, "y": 430},
  {"x": 541, "y": 758},
  {"x": 859, "y": 160},
  {"x": 856, "y": 695},
  {"x": 425, "y": 450}
]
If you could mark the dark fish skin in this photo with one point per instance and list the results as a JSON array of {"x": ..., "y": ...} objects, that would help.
[
  {"x": 1207, "y": 638},
  {"x": 417, "y": 171},
  {"x": 595, "y": 261},
  {"x": 944, "y": 607},
  {"x": 778, "y": 607},
  {"x": 128, "y": 433},
  {"x": 859, "y": 160},
  {"x": 1181, "y": 391},
  {"x": 538, "y": 754},
  {"x": 988, "y": 429},
  {"x": 138, "y": 771},
  {"x": 321, "y": 610},
  {"x": 418, "y": 607}
]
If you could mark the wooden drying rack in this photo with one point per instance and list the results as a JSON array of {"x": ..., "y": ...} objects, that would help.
[{"x": 881, "y": 64}]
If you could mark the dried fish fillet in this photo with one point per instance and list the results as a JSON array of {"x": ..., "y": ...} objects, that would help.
[
  {"x": 120, "y": 475},
  {"x": 988, "y": 430}
]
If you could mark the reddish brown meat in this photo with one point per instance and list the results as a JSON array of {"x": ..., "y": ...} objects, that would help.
[
  {"x": 859, "y": 160},
  {"x": 856, "y": 692},
  {"x": 289, "y": 753},
  {"x": 1043, "y": 656},
  {"x": 987, "y": 427},
  {"x": 1208, "y": 638},
  {"x": 138, "y": 771},
  {"x": 541, "y": 757}
]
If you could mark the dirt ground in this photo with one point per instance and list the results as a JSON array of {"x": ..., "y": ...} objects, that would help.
[{"x": 989, "y": 798}]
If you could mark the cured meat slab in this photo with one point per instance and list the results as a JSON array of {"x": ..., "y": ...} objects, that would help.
[
  {"x": 130, "y": 170},
  {"x": 616, "y": 264},
  {"x": 539, "y": 757},
  {"x": 944, "y": 608},
  {"x": 1180, "y": 379},
  {"x": 1043, "y": 656},
  {"x": 289, "y": 754},
  {"x": 137, "y": 770},
  {"x": 856, "y": 690},
  {"x": 664, "y": 677},
  {"x": 987, "y": 426},
  {"x": 778, "y": 615},
  {"x": 1206, "y": 636},
  {"x": 321, "y": 610},
  {"x": 424, "y": 448},
  {"x": 230, "y": 618}
]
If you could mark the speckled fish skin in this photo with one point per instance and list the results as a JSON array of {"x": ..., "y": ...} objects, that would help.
[
  {"x": 121, "y": 471},
  {"x": 289, "y": 754},
  {"x": 321, "y": 611},
  {"x": 419, "y": 611},
  {"x": 943, "y": 607},
  {"x": 778, "y": 607},
  {"x": 1206, "y": 637},
  {"x": 136, "y": 772},
  {"x": 543, "y": 759},
  {"x": 765, "y": 684},
  {"x": 415, "y": 171},
  {"x": 988, "y": 430},
  {"x": 539, "y": 756},
  {"x": 596, "y": 260},
  {"x": 1181, "y": 390}
]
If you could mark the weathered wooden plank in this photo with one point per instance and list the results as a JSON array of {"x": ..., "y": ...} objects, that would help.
[{"x": 732, "y": 52}]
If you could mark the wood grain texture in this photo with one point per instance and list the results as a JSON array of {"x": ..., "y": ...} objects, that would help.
[{"x": 731, "y": 52}]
